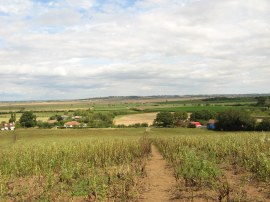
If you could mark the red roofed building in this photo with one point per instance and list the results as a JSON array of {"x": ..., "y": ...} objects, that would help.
[
  {"x": 197, "y": 124},
  {"x": 8, "y": 126},
  {"x": 71, "y": 124}
]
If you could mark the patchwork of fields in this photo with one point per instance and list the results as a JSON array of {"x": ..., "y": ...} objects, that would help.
[{"x": 109, "y": 164}]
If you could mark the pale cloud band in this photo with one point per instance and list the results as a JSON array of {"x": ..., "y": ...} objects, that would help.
[{"x": 77, "y": 49}]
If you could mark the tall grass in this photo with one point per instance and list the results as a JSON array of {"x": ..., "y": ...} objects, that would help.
[
  {"x": 201, "y": 155},
  {"x": 89, "y": 168}
]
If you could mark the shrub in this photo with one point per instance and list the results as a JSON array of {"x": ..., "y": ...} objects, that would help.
[
  {"x": 28, "y": 119},
  {"x": 164, "y": 119},
  {"x": 235, "y": 120}
]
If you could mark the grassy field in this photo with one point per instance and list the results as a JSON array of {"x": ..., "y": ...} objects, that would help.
[{"x": 108, "y": 164}]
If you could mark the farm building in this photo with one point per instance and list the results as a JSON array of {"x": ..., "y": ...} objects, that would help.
[
  {"x": 8, "y": 126},
  {"x": 72, "y": 124},
  {"x": 197, "y": 124},
  {"x": 211, "y": 124}
]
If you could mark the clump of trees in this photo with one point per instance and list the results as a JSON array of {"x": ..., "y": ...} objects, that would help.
[
  {"x": 263, "y": 101},
  {"x": 28, "y": 119},
  {"x": 98, "y": 120},
  {"x": 56, "y": 117},
  {"x": 229, "y": 120},
  {"x": 168, "y": 120},
  {"x": 12, "y": 118},
  {"x": 235, "y": 120}
]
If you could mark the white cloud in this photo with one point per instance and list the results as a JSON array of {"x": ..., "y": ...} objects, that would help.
[
  {"x": 15, "y": 6},
  {"x": 161, "y": 46},
  {"x": 85, "y": 4}
]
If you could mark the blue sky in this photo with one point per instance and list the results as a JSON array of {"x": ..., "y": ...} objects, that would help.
[{"x": 70, "y": 49}]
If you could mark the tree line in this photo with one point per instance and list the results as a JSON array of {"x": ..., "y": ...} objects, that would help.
[{"x": 229, "y": 120}]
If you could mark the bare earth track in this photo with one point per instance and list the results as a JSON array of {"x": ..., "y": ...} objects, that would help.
[{"x": 159, "y": 179}]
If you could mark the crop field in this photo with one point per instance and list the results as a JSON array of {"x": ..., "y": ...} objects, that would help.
[
  {"x": 109, "y": 164},
  {"x": 135, "y": 118},
  {"x": 44, "y": 165},
  {"x": 219, "y": 167}
]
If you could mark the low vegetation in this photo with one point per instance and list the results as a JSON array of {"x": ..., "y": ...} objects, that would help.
[
  {"x": 204, "y": 165},
  {"x": 108, "y": 164},
  {"x": 81, "y": 169}
]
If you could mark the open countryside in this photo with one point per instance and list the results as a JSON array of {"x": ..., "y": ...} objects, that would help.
[
  {"x": 110, "y": 155},
  {"x": 134, "y": 101}
]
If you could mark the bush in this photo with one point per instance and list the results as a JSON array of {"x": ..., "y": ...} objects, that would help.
[
  {"x": 235, "y": 120},
  {"x": 28, "y": 119},
  {"x": 164, "y": 119},
  {"x": 41, "y": 124}
]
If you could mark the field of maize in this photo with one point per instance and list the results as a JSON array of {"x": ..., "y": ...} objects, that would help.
[
  {"x": 108, "y": 165},
  {"x": 219, "y": 167},
  {"x": 66, "y": 169}
]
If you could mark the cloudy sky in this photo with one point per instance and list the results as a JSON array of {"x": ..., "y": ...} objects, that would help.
[{"x": 65, "y": 49}]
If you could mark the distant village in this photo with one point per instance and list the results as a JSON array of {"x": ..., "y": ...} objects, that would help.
[
  {"x": 70, "y": 124},
  {"x": 8, "y": 126}
]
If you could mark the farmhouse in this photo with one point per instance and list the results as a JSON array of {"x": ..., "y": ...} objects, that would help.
[
  {"x": 8, "y": 126},
  {"x": 197, "y": 124},
  {"x": 71, "y": 124}
]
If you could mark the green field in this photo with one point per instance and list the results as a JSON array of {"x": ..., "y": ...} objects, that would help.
[
  {"x": 44, "y": 110},
  {"x": 108, "y": 164}
]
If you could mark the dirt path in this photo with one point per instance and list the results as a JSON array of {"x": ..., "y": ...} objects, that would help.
[{"x": 159, "y": 180}]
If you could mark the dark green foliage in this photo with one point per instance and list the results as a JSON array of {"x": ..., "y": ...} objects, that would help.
[
  {"x": 167, "y": 119},
  {"x": 41, "y": 124},
  {"x": 56, "y": 117},
  {"x": 203, "y": 115},
  {"x": 262, "y": 100},
  {"x": 164, "y": 119},
  {"x": 179, "y": 117},
  {"x": 190, "y": 125},
  {"x": 28, "y": 119},
  {"x": 98, "y": 120},
  {"x": 264, "y": 125},
  {"x": 235, "y": 120},
  {"x": 12, "y": 118}
]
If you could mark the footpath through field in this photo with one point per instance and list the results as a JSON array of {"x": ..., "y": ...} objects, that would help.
[{"x": 159, "y": 180}]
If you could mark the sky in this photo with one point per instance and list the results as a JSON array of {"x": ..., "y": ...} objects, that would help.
[{"x": 72, "y": 49}]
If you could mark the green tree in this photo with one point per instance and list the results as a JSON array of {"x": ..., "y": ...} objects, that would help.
[
  {"x": 12, "y": 118},
  {"x": 28, "y": 119},
  {"x": 164, "y": 119},
  {"x": 179, "y": 118},
  {"x": 262, "y": 100},
  {"x": 235, "y": 120}
]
